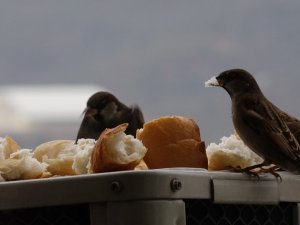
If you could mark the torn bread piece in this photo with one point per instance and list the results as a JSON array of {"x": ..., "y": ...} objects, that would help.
[
  {"x": 64, "y": 157},
  {"x": 115, "y": 151},
  {"x": 82, "y": 159},
  {"x": 58, "y": 154},
  {"x": 230, "y": 152},
  {"x": 21, "y": 166}
]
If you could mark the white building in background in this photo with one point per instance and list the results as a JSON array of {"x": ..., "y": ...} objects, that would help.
[{"x": 33, "y": 114}]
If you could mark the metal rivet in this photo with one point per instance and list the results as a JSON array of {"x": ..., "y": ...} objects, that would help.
[
  {"x": 116, "y": 187},
  {"x": 175, "y": 184}
]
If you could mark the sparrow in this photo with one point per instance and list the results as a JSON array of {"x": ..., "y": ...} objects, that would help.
[
  {"x": 103, "y": 111},
  {"x": 267, "y": 130}
]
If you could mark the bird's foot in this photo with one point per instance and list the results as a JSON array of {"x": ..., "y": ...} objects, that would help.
[
  {"x": 249, "y": 172},
  {"x": 256, "y": 170}
]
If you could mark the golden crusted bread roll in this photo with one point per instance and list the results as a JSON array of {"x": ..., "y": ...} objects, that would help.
[
  {"x": 173, "y": 141},
  {"x": 115, "y": 151}
]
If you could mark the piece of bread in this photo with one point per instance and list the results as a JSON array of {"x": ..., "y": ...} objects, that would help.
[
  {"x": 230, "y": 152},
  {"x": 22, "y": 166},
  {"x": 17, "y": 163},
  {"x": 58, "y": 154},
  {"x": 64, "y": 157},
  {"x": 82, "y": 159},
  {"x": 7, "y": 147},
  {"x": 173, "y": 141},
  {"x": 115, "y": 151}
]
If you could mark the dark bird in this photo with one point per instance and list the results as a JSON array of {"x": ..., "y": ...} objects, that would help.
[
  {"x": 264, "y": 128},
  {"x": 104, "y": 110}
]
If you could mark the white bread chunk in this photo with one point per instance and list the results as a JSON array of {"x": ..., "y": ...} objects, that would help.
[
  {"x": 82, "y": 159},
  {"x": 64, "y": 157},
  {"x": 231, "y": 152},
  {"x": 22, "y": 166},
  {"x": 211, "y": 82},
  {"x": 58, "y": 154}
]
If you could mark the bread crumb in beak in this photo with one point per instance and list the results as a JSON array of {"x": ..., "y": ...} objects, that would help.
[{"x": 212, "y": 82}]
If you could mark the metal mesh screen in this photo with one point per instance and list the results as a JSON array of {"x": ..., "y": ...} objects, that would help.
[
  {"x": 205, "y": 212},
  {"x": 197, "y": 212},
  {"x": 56, "y": 215}
]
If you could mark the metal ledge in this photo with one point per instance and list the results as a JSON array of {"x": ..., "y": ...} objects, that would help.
[{"x": 180, "y": 183}]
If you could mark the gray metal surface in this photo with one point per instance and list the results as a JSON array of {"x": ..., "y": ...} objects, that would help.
[
  {"x": 151, "y": 184},
  {"x": 200, "y": 196},
  {"x": 134, "y": 185}
]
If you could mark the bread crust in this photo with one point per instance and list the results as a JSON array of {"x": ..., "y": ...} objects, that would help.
[{"x": 173, "y": 141}]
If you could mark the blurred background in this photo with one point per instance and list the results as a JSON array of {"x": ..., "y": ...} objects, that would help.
[{"x": 157, "y": 54}]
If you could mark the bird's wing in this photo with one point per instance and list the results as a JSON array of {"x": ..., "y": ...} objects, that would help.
[
  {"x": 266, "y": 118},
  {"x": 293, "y": 124},
  {"x": 137, "y": 119},
  {"x": 89, "y": 128}
]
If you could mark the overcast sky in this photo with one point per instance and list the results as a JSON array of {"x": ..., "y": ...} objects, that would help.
[{"x": 157, "y": 54}]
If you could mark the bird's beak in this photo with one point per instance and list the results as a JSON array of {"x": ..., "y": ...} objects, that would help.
[
  {"x": 212, "y": 82},
  {"x": 90, "y": 111}
]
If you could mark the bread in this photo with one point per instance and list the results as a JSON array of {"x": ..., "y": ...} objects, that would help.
[
  {"x": 231, "y": 152},
  {"x": 82, "y": 159},
  {"x": 7, "y": 147},
  {"x": 22, "y": 166},
  {"x": 58, "y": 154},
  {"x": 17, "y": 163},
  {"x": 111, "y": 152},
  {"x": 64, "y": 157},
  {"x": 173, "y": 141},
  {"x": 115, "y": 151}
]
